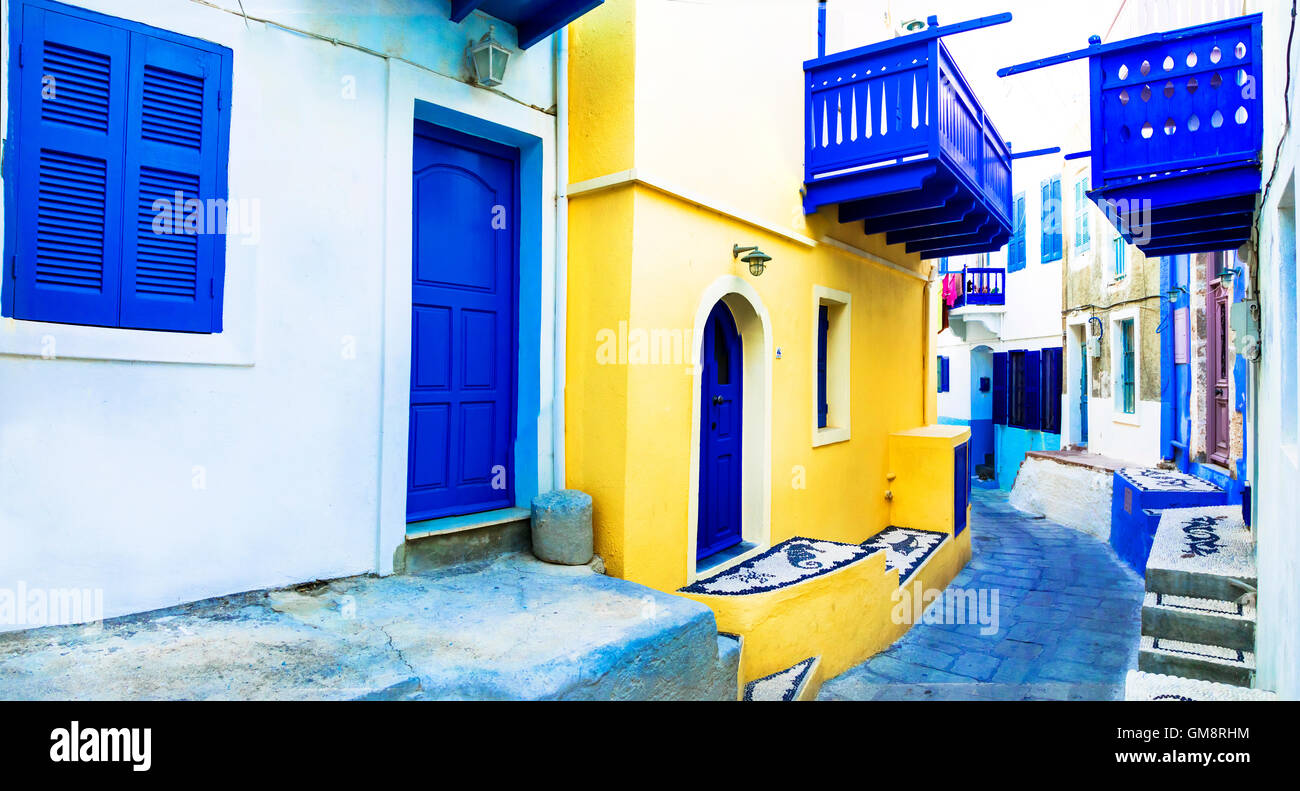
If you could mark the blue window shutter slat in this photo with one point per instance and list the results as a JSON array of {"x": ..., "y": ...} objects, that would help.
[
  {"x": 1000, "y": 361},
  {"x": 1031, "y": 384},
  {"x": 823, "y": 330},
  {"x": 171, "y": 182},
  {"x": 70, "y": 118}
]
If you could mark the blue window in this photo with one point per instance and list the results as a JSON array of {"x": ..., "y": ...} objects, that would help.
[
  {"x": 1050, "y": 410},
  {"x": 823, "y": 330},
  {"x": 1127, "y": 363},
  {"x": 1051, "y": 237},
  {"x": 944, "y": 371},
  {"x": 1082, "y": 232},
  {"x": 1117, "y": 253},
  {"x": 1016, "y": 248},
  {"x": 119, "y": 147}
]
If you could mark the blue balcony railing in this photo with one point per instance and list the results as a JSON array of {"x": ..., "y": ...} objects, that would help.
[
  {"x": 1177, "y": 133},
  {"x": 897, "y": 139},
  {"x": 983, "y": 286}
]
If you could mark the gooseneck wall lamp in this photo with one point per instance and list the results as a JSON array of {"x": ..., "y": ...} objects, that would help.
[{"x": 756, "y": 258}]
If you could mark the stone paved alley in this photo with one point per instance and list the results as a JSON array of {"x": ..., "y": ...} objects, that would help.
[{"x": 1069, "y": 617}]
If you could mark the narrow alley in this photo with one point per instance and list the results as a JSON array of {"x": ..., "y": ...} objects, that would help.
[{"x": 1068, "y": 622}]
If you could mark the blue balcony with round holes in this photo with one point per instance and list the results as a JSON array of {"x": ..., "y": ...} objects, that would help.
[
  {"x": 896, "y": 139},
  {"x": 1176, "y": 134}
]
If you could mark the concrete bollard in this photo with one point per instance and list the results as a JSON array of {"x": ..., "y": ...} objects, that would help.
[{"x": 562, "y": 527}]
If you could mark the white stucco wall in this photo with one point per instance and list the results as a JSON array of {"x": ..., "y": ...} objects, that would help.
[
  {"x": 162, "y": 467},
  {"x": 1273, "y": 459}
]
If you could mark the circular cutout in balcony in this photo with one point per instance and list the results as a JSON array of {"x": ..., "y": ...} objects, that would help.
[
  {"x": 1146, "y": 93},
  {"x": 1147, "y": 130},
  {"x": 1240, "y": 50},
  {"x": 1216, "y": 55},
  {"x": 1123, "y": 71},
  {"x": 1169, "y": 63},
  {"x": 1170, "y": 126},
  {"x": 1145, "y": 68},
  {"x": 1192, "y": 85},
  {"x": 1216, "y": 80},
  {"x": 1193, "y": 123},
  {"x": 1123, "y": 97},
  {"x": 1191, "y": 59},
  {"x": 1169, "y": 89},
  {"x": 1216, "y": 120},
  {"x": 1124, "y": 134},
  {"x": 1242, "y": 116}
]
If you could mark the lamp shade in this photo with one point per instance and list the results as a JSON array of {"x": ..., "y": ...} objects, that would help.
[{"x": 489, "y": 59}]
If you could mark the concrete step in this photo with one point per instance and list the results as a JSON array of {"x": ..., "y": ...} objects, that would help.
[
  {"x": 511, "y": 629},
  {"x": 1153, "y": 686},
  {"x": 1211, "y": 621},
  {"x": 1202, "y": 553},
  {"x": 800, "y": 682},
  {"x": 1196, "y": 660}
]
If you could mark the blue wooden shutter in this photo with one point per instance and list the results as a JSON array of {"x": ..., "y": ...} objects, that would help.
[
  {"x": 1058, "y": 234},
  {"x": 169, "y": 267},
  {"x": 1050, "y": 391},
  {"x": 960, "y": 486},
  {"x": 823, "y": 329},
  {"x": 1044, "y": 214},
  {"x": 1018, "y": 240},
  {"x": 1000, "y": 387},
  {"x": 1032, "y": 382},
  {"x": 72, "y": 107}
]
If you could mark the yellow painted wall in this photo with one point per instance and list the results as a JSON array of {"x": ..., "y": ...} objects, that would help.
[{"x": 642, "y": 256}]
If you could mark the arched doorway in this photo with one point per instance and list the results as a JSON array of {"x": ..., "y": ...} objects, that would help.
[
  {"x": 721, "y": 434},
  {"x": 731, "y": 322},
  {"x": 982, "y": 445}
]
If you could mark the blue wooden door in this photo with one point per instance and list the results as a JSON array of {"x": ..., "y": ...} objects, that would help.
[
  {"x": 463, "y": 337},
  {"x": 720, "y": 434},
  {"x": 1083, "y": 391}
]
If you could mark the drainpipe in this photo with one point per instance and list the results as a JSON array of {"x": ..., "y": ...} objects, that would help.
[
  {"x": 821, "y": 28},
  {"x": 561, "y": 254}
]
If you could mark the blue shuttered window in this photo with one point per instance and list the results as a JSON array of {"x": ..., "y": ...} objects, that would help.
[
  {"x": 1051, "y": 243},
  {"x": 823, "y": 330},
  {"x": 1016, "y": 248},
  {"x": 1082, "y": 231},
  {"x": 1128, "y": 368},
  {"x": 944, "y": 372},
  {"x": 121, "y": 173},
  {"x": 1031, "y": 397},
  {"x": 1050, "y": 411}
]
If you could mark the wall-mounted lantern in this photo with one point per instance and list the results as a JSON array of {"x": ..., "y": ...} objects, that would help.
[
  {"x": 489, "y": 58},
  {"x": 756, "y": 258},
  {"x": 1173, "y": 293},
  {"x": 1226, "y": 275}
]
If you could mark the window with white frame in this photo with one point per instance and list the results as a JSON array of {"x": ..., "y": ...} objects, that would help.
[
  {"x": 832, "y": 329},
  {"x": 1082, "y": 233}
]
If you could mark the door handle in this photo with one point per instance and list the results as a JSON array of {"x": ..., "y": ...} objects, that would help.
[{"x": 717, "y": 399}]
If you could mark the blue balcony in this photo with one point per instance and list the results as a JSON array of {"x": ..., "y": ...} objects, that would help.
[
  {"x": 1177, "y": 134},
  {"x": 982, "y": 286},
  {"x": 897, "y": 140}
]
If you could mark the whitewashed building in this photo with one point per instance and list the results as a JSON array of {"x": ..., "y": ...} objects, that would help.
[{"x": 199, "y": 411}]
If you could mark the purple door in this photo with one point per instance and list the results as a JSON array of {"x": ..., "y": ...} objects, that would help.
[
  {"x": 460, "y": 455},
  {"x": 720, "y": 434},
  {"x": 1218, "y": 364}
]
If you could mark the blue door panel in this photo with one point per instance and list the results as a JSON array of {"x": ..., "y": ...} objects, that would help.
[
  {"x": 463, "y": 327},
  {"x": 721, "y": 411}
]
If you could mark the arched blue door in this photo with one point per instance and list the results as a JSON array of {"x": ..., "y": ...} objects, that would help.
[
  {"x": 720, "y": 434},
  {"x": 463, "y": 350}
]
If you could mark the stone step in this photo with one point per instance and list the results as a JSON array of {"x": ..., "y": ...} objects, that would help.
[
  {"x": 1211, "y": 621},
  {"x": 1203, "y": 553},
  {"x": 1196, "y": 660},
  {"x": 799, "y": 682},
  {"x": 1153, "y": 686}
]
